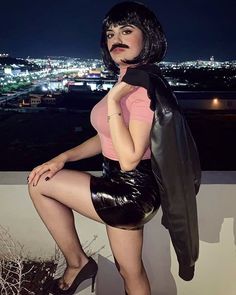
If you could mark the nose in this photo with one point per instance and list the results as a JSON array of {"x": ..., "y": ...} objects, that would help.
[{"x": 117, "y": 38}]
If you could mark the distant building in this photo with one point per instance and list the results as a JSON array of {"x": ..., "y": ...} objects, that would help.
[
  {"x": 107, "y": 74},
  {"x": 7, "y": 71},
  {"x": 78, "y": 87},
  {"x": 14, "y": 70},
  {"x": 35, "y": 100},
  {"x": 94, "y": 73},
  {"x": 54, "y": 85},
  {"x": 49, "y": 99}
]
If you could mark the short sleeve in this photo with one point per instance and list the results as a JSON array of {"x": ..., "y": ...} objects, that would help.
[{"x": 139, "y": 106}]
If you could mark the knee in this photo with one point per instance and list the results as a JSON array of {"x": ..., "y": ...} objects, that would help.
[
  {"x": 33, "y": 190},
  {"x": 37, "y": 189},
  {"x": 131, "y": 272}
]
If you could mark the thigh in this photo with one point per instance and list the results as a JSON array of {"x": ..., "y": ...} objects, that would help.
[
  {"x": 126, "y": 246},
  {"x": 71, "y": 188}
]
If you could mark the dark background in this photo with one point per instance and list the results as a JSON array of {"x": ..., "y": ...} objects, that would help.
[
  {"x": 194, "y": 29},
  {"x": 28, "y": 140}
]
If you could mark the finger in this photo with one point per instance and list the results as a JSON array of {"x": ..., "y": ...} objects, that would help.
[
  {"x": 39, "y": 173},
  {"x": 50, "y": 174},
  {"x": 33, "y": 173},
  {"x": 36, "y": 178},
  {"x": 31, "y": 176}
]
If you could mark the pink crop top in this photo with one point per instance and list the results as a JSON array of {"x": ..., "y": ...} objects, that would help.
[{"x": 134, "y": 106}]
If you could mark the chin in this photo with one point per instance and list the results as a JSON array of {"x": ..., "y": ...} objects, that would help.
[{"x": 119, "y": 62}]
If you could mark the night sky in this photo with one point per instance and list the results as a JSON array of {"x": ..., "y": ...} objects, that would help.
[{"x": 195, "y": 29}]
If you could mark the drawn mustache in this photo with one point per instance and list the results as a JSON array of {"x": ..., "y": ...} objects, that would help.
[{"x": 120, "y": 45}]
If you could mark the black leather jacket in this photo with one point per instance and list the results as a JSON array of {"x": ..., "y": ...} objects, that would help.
[{"x": 175, "y": 163}]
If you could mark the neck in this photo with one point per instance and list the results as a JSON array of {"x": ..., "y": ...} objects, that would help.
[{"x": 123, "y": 70}]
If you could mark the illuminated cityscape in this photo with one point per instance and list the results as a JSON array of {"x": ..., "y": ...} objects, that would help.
[
  {"x": 38, "y": 82},
  {"x": 53, "y": 96}
]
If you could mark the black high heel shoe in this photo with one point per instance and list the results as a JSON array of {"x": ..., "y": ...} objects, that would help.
[{"x": 89, "y": 271}]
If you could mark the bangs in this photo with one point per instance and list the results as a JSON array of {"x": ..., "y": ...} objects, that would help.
[
  {"x": 121, "y": 16},
  {"x": 122, "y": 22}
]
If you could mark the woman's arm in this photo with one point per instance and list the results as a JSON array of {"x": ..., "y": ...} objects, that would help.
[
  {"x": 130, "y": 143},
  {"x": 89, "y": 148}
]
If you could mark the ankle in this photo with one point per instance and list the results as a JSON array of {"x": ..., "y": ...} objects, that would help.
[{"x": 77, "y": 263}]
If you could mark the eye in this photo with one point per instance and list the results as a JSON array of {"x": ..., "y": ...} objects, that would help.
[
  {"x": 127, "y": 31},
  {"x": 109, "y": 35}
]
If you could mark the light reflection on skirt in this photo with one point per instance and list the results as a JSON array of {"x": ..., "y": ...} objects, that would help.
[{"x": 125, "y": 199}]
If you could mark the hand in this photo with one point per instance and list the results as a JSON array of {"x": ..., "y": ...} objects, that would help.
[
  {"x": 120, "y": 90},
  {"x": 51, "y": 167}
]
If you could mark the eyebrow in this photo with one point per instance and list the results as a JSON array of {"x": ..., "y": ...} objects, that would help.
[{"x": 124, "y": 26}]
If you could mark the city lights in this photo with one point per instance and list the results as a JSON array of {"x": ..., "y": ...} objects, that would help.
[
  {"x": 216, "y": 101},
  {"x": 64, "y": 75}
]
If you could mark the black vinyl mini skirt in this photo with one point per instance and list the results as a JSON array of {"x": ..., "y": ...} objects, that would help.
[{"x": 125, "y": 199}]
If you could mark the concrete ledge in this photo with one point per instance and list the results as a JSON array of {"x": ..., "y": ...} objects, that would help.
[
  {"x": 20, "y": 177},
  {"x": 215, "y": 268},
  {"x": 208, "y": 177}
]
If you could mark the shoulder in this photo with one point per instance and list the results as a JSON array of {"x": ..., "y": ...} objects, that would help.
[
  {"x": 140, "y": 94},
  {"x": 138, "y": 104}
]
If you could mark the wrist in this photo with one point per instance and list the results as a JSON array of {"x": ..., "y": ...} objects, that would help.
[
  {"x": 113, "y": 99},
  {"x": 63, "y": 157},
  {"x": 113, "y": 114}
]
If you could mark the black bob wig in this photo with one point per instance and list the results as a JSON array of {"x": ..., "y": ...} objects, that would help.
[{"x": 137, "y": 14}]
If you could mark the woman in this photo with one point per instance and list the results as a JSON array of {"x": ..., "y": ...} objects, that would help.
[{"x": 126, "y": 196}]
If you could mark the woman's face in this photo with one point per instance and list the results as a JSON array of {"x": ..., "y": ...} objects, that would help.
[{"x": 124, "y": 42}]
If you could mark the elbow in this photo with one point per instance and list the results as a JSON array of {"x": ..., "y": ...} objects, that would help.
[{"x": 128, "y": 164}]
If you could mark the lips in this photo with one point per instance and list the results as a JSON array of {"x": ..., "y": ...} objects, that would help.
[{"x": 118, "y": 49}]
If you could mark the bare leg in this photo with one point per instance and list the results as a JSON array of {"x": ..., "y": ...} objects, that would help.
[
  {"x": 54, "y": 201},
  {"x": 126, "y": 246}
]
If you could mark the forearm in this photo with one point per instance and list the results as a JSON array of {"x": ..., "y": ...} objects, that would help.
[
  {"x": 121, "y": 137},
  {"x": 89, "y": 148}
]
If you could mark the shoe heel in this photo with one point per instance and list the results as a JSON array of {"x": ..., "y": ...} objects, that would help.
[{"x": 93, "y": 283}]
